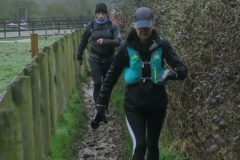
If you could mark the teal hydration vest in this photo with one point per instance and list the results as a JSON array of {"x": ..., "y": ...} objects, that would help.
[{"x": 133, "y": 74}]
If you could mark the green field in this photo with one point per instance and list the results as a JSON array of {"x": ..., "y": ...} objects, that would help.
[{"x": 15, "y": 55}]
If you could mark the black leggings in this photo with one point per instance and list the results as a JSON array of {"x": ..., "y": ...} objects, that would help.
[
  {"x": 145, "y": 129},
  {"x": 98, "y": 73}
]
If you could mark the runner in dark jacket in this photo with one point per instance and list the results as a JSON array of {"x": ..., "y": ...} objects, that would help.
[
  {"x": 104, "y": 35},
  {"x": 145, "y": 101}
]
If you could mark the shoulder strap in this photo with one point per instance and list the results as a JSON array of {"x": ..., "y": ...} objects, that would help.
[
  {"x": 109, "y": 26},
  {"x": 91, "y": 29}
]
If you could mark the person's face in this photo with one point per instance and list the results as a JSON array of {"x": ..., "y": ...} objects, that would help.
[
  {"x": 101, "y": 16},
  {"x": 144, "y": 34}
]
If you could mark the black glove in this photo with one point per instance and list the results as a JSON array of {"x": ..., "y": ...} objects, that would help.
[
  {"x": 168, "y": 74},
  {"x": 99, "y": 116}
]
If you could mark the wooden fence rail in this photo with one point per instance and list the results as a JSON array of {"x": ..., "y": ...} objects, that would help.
[
  {"x": 47, "y": 24},
  {"x": 36, "y": 97}
]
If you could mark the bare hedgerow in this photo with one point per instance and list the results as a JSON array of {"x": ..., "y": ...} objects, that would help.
[{"x": 204, "y": 109}]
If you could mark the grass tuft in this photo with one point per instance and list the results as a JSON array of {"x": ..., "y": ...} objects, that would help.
[{"x": 71, "y": 127}]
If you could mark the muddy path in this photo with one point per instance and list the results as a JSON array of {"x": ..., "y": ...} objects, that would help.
[{"x": 104, "y": 143}]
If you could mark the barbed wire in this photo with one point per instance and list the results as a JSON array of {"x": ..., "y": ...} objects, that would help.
[{"x": 45, "y": 39}]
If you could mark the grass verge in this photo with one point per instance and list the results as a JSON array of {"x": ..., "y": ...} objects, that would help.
[
  {"x": 70, "y": 128},
  {"x": 168, "y": 152}
]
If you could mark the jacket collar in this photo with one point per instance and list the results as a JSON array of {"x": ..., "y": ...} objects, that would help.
[{"x": 133, "y": 40}]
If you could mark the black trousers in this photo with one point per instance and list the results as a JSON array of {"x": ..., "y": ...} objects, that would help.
[
  {"x": 98, "y": 73},
  {"x": 145, "y": 129}
]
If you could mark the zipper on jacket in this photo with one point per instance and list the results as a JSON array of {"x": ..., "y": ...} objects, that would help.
[{"x": 101, "y": 37}]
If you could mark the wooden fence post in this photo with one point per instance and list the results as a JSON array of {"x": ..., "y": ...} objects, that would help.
[
  {"x": 6, "y": 97},
  {"x": 42, "y": 61},
  {"x": 68, "y": 52},
  {"x": 65, "y": 70},
  {"x": 53, "y": 32},
  {"x": 52, "y": 93},
  {"x": 75, "y": 63},
  {"x": 19, "y": 29},
  {"x": 10, "y": 135},
  {"x": 57, "y": 48},
  {"x": 4, "y": 29},
  {"x": 58, "y": 27},
  {"x": 34, "y": 44},
  {"x": 46, "y": 30},
  {"x": 22, "y": 97},
  {"x": 32, "y": 70}
]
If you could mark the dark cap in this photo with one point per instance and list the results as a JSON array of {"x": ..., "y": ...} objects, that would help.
[
  {"x": 101, "y": 7},
  {"x": 143, "y": 18}
]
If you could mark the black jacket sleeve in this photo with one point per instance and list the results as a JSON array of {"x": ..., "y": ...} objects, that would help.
[
  {"x": 116, "y": 40},
  {"x": 112, "y": 76},
  {"x": 174, "y": 61},
  {"x": 83, "y": 42}
]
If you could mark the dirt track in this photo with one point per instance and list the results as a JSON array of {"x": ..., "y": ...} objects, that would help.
[{"x": 104, "y": 143}]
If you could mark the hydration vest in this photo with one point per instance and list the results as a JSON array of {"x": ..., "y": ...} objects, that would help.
[{"x": 133, "y": 74}]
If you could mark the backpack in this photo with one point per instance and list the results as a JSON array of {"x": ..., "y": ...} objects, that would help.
[{"x": 109, "y": 27}]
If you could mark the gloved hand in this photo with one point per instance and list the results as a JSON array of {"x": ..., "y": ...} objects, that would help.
[
  {"x": 99, "y": 116},
  {"x": 168, "y": 74}
]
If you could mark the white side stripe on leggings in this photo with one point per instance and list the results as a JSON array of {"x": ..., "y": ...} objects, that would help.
[{"x": 132, "y": 135}]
